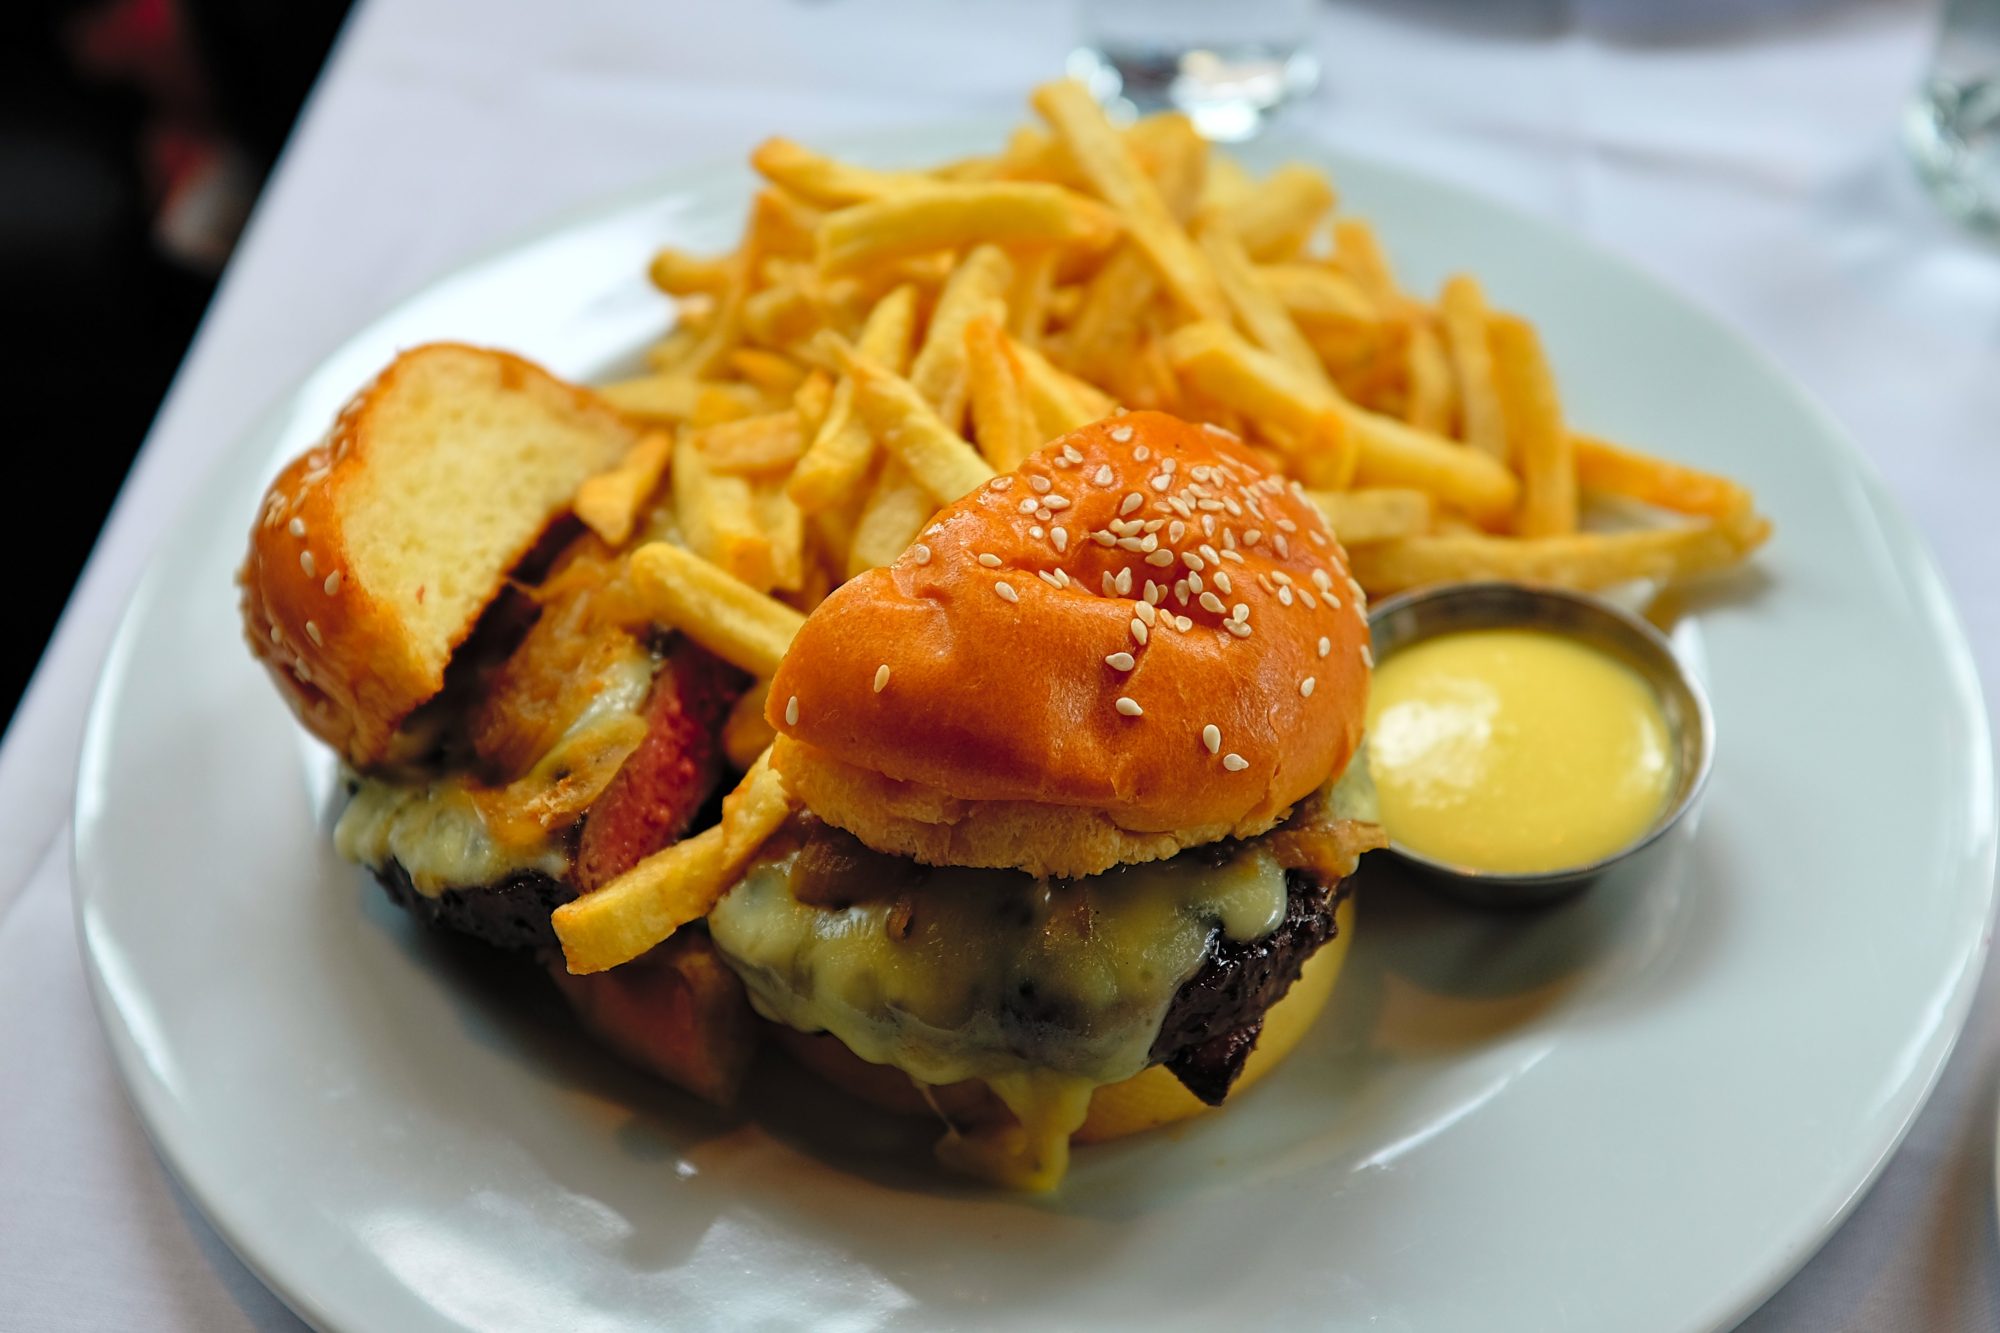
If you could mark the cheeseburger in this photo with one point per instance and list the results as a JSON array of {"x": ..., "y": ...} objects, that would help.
[{"x": 1057, "y": 856}]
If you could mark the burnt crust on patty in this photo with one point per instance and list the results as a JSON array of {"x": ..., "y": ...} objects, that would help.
[{"x": 512, "y": 914}]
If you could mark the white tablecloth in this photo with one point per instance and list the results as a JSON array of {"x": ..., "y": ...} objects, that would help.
[{"x": 1751, "y": 163}]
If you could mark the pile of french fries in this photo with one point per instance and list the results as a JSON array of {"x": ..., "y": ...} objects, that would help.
[{"x": 881, "y": 342}]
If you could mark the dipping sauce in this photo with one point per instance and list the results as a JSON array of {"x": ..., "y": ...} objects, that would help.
[{"x": 1515, "y": 750}]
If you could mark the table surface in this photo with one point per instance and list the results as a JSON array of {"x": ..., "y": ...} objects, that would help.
[{"x": 1750, "y": 161}]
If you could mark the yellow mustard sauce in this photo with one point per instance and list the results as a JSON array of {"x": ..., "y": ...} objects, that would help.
[{"x": 1515, "y": 750}]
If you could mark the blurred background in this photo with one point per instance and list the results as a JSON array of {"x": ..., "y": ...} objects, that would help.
[{"x": 134, "y": 135}]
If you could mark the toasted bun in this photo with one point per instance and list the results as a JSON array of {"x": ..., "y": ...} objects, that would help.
[
  {"x": 1148, "y": 1100},
  {"x": 376, "y": 551},
  {"x": 1014, "y": 697}
]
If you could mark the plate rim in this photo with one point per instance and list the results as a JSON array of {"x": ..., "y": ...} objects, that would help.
[{"x": 1729, "y": 1305}]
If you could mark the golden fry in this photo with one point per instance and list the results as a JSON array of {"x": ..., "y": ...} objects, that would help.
[
  {"x": 1463, "y": 307},
  {"x": 751, "y": 446},
  {"x": 785, "y": 529},
  {"x": 1315, "y": 295},
  {"x": 907, "y": 427},
  {"x": 772, "y": 372},
  {"x": 1108, "y": 320},
  {"x": 670, "y": 888},
  {"x": 610, "y": 502},
  {"x": 825, "y": 181},
  {"x": 1377, "y": 515},
  {"x": 1536, "y": 440},
  {"x": 670, "y": 399},
  {"x": 896, "y": 512},
  {"x": 1028, "y": 302},
  {"x": 678, "y": 273},
  {"x": 1106, "y": 160},
  {"x": 1358, "y": 253},
  {"x": 716, "y": 518},
  {"x": 977, "y": 287},
  {"x": 745, "y": 733},
  {"x": 1060, "y": 402},
  {"x": 1611, "y": 470},
  {"x": 1582, "y": 560},
  {"x": 952, "y": 217},
  {"x": 1257, "y": 312},
  {"x": 1275, "y": 220},
  {"x": 837, "y": 461},
  {"x": 1003, "y": 423},
  {"x": 677, "y": 589},
  {"x": 1431, "y": 404}
]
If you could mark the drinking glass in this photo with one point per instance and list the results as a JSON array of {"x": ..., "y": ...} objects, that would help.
[
  {"x": 1228, "y": 64},
  {"x": 1952, "y": 127}
]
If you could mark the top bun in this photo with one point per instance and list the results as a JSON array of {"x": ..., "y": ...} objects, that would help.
[
  {"x": 1141, "y": 621},
  {"x": 376, "y": 551}
]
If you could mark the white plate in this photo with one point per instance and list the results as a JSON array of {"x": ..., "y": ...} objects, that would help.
[{"x": 1639, "y": 1111}]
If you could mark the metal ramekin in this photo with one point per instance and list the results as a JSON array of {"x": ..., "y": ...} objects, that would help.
[{"x": 1406, "y": 619}]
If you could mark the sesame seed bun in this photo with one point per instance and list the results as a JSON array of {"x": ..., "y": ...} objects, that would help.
[
  {"x": 375, "y": 552},
  {"x": 1028, "y": 666}
]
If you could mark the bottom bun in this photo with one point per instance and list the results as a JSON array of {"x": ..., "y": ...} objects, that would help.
[{"x": 1149, "y": 1099}]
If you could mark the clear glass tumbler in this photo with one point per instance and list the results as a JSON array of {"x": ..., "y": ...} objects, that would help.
[
  {"x": 1952, "y": 127},
  {"x": 1229, "y": 64}
]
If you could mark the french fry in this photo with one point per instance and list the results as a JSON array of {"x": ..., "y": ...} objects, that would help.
[
  {"x": 1463, "y": 308},
  {"x": 751, "y": 446},
  {"x": 1257, "y": 312},
  {"x": 909, "y": 429},
  {"x": 1107, "y": 162},
  {"x": 1536, "y": 440},
  {"x": 1358, "y": 253},
  {"x": 1430, "y": 405},
  {"x": 824, "y": 181},
  {"x": 1376, "y": 515},
  {"x": 784, "y": 315},
  {"x": 811, "y": 400},
  {"x": 745, "y": 733},
  {"x": 715, "y": 516},
  {"x": 977, "y": 287},
  {"x": 1582, "y": 560},
  {"x": 670, "y": 888},
  {"x": 1028, "y": 302},
  {"x": 671, "y": 399},
  {"x": 896, "y": 512},
  {"x": 1609, "y": 469},
  {"x": 1003, "y": 423},
  {"x": 1221, "y": 365},
  {"x": 1107, "y": 321},
  {"x": 1315, "y": 295},
  {"x": 610, "y": 502},
  {"x": 837, "y": 461},
  {"x": 953, "y": 217},
  {"x": 1175, "y": 156},
  {"x": 785, "y": 529},
  {"x": 678, "y": 273},
  {"x": 1060, "y": 402},
  {"x": 677, "y": 589},
  {"x": 1227, "y": 186},
  {"x": 775, "y": 374},
  {"x": 1274, "y": 220}
]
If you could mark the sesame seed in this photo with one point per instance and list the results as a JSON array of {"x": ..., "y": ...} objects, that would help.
[
  {"x": 274, "y": 634},
  {"x": 1284, "y": 547},
  {"x": 312, "y": 632},
  {"x": 1325, "y": 645},
  {"x": 1285, "y": 596},
  {"x": 1029, "y": 504},
  {"x": 1191, "y": 560},
  {"x": 1121, "y": 433},
  {"x": 1176, "y": 530},
  {"x": 1211, "y": 603},
  {"x": 1048, "y": 578},
  {"x": 1181, "y": 590},
  {"x": 1312, "y": 604},
  {"x": 1103, "y": 477},
  {"x": 1280, "y": 576},
  {"x": 1211, "y": 736},
  {"x": 1103, "y": 538},
  {"x": 1161, "y": 481},
  {"x": 1167, "y": 465},
  {"x": 1252, "y": 537},
  {"x": 1367, "y": 658},
  {"x": 1235, "y": 510},
  {"x": 1221, "y": 577},
  {"x": 1070, "y": 455},
  {"x": 1194, "y": 583},
  {"x": 881, "y": 677},
  {"x": 1036, "y": 532},
  {"x": 1000, "y": 483},
  {"x": 1237, "y": 556},
  {"x": 297, "y": 527},
  {"x": 1144, "y": 610},
  {"x": 1062, "y": 577},
  {"x": 792, "y": 711},
  {"x": 1181, "y": 507},
  {"x": 1152, "y": 593},
  {"x": 1160, "y": 558},
  {"x": 1209, "y": 553},
  {"x": 1235, "y": 762},
  {"x": 1239, "y": 612},
  {"x": 306, "y": 562},
  {"x": 1132, "y": 543},
  {"x": 1060, "y": 536},
  {"x": 1129, "y": 706},
  {"x": 1138, "y": 628},
  {"x": 1040, "y": 484},
  {"x": 1286, "y": 525},
  {"x": 1322, "y": 580},
  {"x": 1229, "y": 539},
  {"x": 1214, "y": 429},
  {"x": 1132, "y": 501},
  {"x": 990, "y": 560},
  {"x": 1155, "y": 524},
  {"x": 1121, "y": 661},
  {"x": 1057, "y": 502},
  {"x": 1183, "y": 624},
  {"x": 1240, "y": 628},
  {"x": 1061, "y": 462},
  {"x": 1318, "y": 537},
  {"x": 1306, "y": 687},
  {"x": 1123, "y": 583},
  {"x": 1142, "y": 453},
  {"x": 1105, "y": 583},
  {"x": 332, "y": 584},
  {"x": 921, "y": 553},
  {"x": 1006, "y": 592}
]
